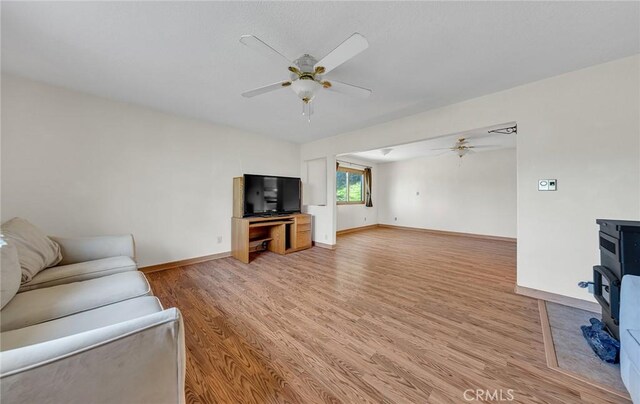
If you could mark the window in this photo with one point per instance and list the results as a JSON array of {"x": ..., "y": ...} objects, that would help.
[{"x": 349, "y": 186}]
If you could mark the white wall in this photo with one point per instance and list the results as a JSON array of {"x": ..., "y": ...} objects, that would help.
[
  {"x": 352, "y": 216},
  {"x": 76, "y": 164},
  {"x": 582, "y": 128},
  {"x": 475, "y": 194}
]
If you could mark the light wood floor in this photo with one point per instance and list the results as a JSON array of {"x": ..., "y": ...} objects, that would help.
[{"x": 389, "y": 316}]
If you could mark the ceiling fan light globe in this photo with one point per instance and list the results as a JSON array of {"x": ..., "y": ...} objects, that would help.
[{"x": 305, "y": 89}]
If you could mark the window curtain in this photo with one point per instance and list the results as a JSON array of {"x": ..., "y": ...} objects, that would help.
[{"x": 367, "y": 187}]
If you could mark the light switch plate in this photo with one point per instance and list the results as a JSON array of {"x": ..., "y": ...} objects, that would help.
[
  {"x": 543, "y": 185},
  {"x": 547, "y": 185}
]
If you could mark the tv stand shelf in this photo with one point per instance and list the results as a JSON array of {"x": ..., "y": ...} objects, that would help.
[
  {"x": 284, "y": 234},
  {"x": 256, "y": 245}
]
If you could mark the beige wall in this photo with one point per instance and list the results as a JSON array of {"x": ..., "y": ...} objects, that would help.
[
  {"x": 475, "y": 194},
  {"x": 76, "y": 164},
  {"x": 582, "y": 128}
]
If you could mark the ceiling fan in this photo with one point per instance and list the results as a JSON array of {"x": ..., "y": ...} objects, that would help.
[
  {"x": 306, "y": 73},
  {"x": 462, "y": 147}
]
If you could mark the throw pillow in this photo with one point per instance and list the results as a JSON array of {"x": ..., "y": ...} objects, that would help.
[
  {"x": 36, "y": 251},
  {"x": 10, "y": 273}
]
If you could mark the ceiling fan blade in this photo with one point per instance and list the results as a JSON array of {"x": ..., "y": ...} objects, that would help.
[
  {"x": 258, "y": 45},
  {"x": 348, "y": 89},
  {"x": 484, "y": 146},
  {"x": 266, "y": 89},
  {"x": 444, "y": 148},
  {"x": 353, "y": 45}
]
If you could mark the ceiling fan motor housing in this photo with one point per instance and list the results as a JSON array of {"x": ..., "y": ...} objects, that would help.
[{"x": 305, "y": 63}]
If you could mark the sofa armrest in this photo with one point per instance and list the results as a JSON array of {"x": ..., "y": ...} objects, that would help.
[
  {"x": 136, "y": 361},
  {"x": 630, "y": 303},
  {"x": 81, "y": 249}
]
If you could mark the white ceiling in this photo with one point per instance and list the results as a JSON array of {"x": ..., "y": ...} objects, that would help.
[
  {"x": 481, "y": 139},
  {"x": 185, "y": 57}
]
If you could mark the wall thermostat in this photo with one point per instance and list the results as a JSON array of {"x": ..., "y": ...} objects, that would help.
[{"x": 547, "y": 185}]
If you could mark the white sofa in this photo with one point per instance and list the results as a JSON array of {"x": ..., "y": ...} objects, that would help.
[
  {"x": 630, "y": 335},
  {"x": 90, "y": 331}
]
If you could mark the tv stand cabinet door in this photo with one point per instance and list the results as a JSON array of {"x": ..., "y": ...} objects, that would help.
[{"x": 277, "y": 234}]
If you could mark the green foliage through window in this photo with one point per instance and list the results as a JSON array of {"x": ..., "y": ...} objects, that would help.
[
  {"x": 349, "y": 186},
  {"x": 341, "y": 186}
]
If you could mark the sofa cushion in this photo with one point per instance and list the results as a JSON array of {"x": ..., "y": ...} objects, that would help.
[
  {"x": 77, "y": 323},
  {"x": 79, "y": 272},
  {"x": 10, "y": 273},
  {"x": 35, "y": 250},
  {"x": 630, "y": 373},
  {"x": 40, "y": 305},
  {"x": 632, "y": 346}
]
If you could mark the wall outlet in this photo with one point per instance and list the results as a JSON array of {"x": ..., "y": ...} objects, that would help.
[
  {"x": 365, "y": 219},
  {"x": 219, "y": 239},
  {"x": 395, "y": 218},
  {"x": 417, "y": 193}
]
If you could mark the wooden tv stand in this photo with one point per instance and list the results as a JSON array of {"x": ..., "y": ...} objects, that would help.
[{"x": 279, "y": 234}]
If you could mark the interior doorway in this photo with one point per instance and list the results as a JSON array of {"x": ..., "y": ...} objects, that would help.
[{"x": 462, "y": 183}]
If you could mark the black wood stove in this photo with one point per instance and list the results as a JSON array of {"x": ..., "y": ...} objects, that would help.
[{"x": 619, "y": 256}]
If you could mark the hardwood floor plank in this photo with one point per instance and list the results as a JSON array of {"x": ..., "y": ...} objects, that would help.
[{"x": 389, "y": 316}]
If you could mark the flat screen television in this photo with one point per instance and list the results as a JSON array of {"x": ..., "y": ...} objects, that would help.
[{"x": 270, "y": 195}]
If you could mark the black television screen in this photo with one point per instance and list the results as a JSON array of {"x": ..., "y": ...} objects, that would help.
[{"x": 265, "y": 195}]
